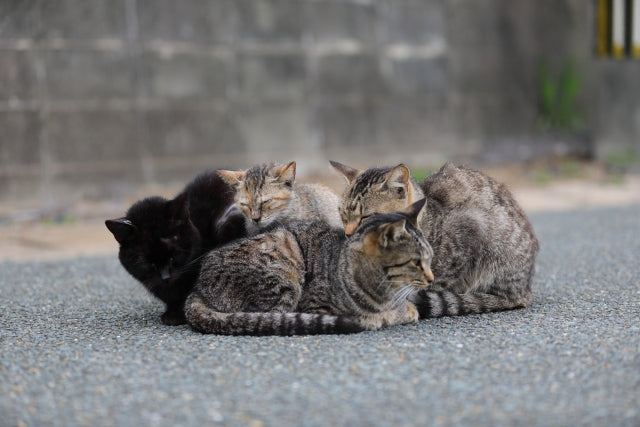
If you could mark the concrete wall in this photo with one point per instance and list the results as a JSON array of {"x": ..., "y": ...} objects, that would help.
[{"x": 99, "y": 96}]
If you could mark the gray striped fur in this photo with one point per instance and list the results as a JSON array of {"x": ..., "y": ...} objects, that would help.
[
  {"x": 484, "y": 246},
  {"x": 309, "y": 278}
]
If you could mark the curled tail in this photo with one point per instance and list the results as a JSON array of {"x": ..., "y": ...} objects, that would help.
[
  {"x": 431, "y": 303},
  {"x": 208, "y": 321}
]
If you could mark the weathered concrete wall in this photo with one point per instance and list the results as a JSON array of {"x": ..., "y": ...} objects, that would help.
[{"x": 97, "y": 96}]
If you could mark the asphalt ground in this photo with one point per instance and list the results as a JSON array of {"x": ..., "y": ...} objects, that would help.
[{"x": 81, "y": 345}]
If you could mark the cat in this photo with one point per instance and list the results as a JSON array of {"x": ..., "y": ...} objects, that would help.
[
  {"x": 307, "y": 277},
  {"x": 162, "y": 240},
  {"x": 484, "y": 245},
  {"x": 267, "y": 193}
]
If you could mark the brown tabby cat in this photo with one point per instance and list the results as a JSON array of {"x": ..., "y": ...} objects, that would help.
[
  {"x": 267, "y": 193},
  {"x": 484, "y": 246},
  {"x": 309, "y": 278}
]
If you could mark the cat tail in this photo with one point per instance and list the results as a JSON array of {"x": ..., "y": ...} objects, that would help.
[
  {"x": 431, "y": 303},
  {"x": 208, "y": 321}
]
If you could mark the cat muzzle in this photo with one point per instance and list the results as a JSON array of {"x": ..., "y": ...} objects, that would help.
[
  {"x": 165, "y": 273},
  {"x": 350, "y": 228},
  {"x": 256, "y": 216},
  {"x": 428, "y": 274}
]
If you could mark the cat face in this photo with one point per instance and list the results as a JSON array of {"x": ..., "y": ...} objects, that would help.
[
  {"x": 394, "y": 242},
  {"x": 373, "y": 191},
  {"x": 263, "y": 192},
  {"x": 157, "y": 240}
]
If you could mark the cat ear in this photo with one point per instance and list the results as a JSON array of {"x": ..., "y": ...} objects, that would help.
[
  {"x": 397, "y": 180},
  {"x": 286, "y": 174},
  {"x": 412, "y": 212},
  {"x": 347, "y": 171},
  {"x": 233, "y": 178},
  {"x": 391, "y": 232},
  {"x": 180, "y": 207},
  {"x": 121, "y": 228}
]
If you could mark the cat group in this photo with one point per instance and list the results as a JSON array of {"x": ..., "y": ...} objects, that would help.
[{"x": 254, "y": 253}]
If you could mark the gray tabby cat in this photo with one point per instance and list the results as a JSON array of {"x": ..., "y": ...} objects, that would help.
[
  {"x": 267, "y": 193},
  {"x": 309, "y": 278},
  {"x": 484, "y": 246}
]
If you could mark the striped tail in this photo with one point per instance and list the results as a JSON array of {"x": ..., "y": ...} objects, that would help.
[
  {"x": 208, "y": 321},
  {"x": 432, "y": 303}
]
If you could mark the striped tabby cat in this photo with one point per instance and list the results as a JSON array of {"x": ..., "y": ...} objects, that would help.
[
  {"x": 309, "y": 278},
  {"x": 267, "y": 193},
  {"x": 484, "y": 246}
]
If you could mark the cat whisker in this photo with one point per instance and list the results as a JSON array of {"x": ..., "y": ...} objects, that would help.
[{"x": 401, "y": 295}]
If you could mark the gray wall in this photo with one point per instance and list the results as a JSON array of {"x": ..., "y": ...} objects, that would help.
[{"x": 99, "y": 96}]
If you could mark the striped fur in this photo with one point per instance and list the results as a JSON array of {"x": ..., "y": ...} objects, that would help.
[
  {"x": 432, "y": 303},
  {"x": 206, "y": 320},
  {"x": 267, "y": 194},
  {"x": 484, "y": 246},
  {"x": 306, "y": 277}
]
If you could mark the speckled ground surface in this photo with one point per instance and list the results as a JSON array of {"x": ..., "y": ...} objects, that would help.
[{"x": 81, "y": 344}]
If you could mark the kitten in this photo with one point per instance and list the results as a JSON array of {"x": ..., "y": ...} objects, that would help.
[
  {"x": 267, "y": 194},
  {"x": 161, "y": 240},
  {"x": 309, "y": 278},
  {"x": 484, "y": 246}
]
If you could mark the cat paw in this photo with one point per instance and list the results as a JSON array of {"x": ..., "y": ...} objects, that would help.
[
  {"x": 412, "y": 314},
  {"x": 371, "y": 322},
  {"x": 173, "y": 318}
]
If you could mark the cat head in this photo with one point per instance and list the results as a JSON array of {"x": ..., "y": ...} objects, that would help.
[
  {"x": 157, "y": 239},
  {"x": 262, "y": 192},
  {"x": 374, "y": 191},
  {"x": 394, "y": 243}
]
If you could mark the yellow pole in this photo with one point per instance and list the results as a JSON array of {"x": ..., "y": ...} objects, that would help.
[{"x": 603, "y": 29}]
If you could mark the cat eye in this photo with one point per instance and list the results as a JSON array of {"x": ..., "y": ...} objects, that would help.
[{"x": 363, "y": 217}]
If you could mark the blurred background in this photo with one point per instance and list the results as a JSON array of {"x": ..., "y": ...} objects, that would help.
[{"x": 105, "y": 101}]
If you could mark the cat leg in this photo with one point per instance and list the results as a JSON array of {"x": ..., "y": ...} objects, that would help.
[
  {"x": 371, "y": 322},
  {"x": 174, "y": 315},
  {"x": 405, "y": 313}
]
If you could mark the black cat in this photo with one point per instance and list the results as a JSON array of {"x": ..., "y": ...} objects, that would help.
[{"x": 162, "y": 241}]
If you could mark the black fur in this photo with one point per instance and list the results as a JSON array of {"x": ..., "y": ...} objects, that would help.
[{"x": 162, "y": 241}]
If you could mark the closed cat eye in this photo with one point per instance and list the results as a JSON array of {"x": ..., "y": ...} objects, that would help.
[{"x": 363, "y": 217}]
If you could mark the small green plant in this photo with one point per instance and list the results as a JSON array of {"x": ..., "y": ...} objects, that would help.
[
  {"x": 558, "y": 96},
  {"x": 542, "y": 176},
  {"x": 571, "y": 168},
  {"x": 421, "y": 174}
]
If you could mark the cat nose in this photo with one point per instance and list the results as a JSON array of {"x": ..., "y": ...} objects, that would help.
[
  {"x": 428, "y": 274},
  {"x": 256, "y": 215},
  {"x": 165, "y": 273},
  {"x": 350, "y": 228}
]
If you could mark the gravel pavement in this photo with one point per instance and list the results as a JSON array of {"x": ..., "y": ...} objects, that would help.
[{"x": 81, "y": 345}]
